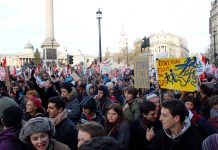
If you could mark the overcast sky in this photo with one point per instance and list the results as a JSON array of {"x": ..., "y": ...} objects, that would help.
[{"x": 76, "y": 26}]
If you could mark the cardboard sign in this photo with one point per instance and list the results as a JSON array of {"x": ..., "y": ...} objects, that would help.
[{"x": 141, "y": 72}]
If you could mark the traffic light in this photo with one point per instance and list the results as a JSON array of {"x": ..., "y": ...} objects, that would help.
[{"x": 70, "y": 59}]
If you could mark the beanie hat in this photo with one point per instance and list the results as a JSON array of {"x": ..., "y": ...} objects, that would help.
[
  {"x": 6, "y": 102},
  {"x": 210, "y": 143},
  {"x": 151, "y": 96},
  {"x": 66, "y": 86},
  {"x": 88, "y": 102},
  {"x": 36, "y": 125},
  {"x": 37, "y": 101},
  {"x": 109, "y": 85}
]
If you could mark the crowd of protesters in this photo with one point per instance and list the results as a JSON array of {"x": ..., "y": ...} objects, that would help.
[{"x": 57, "y": 112}]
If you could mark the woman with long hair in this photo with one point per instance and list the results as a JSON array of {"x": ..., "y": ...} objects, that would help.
[{"x": 116, "y": 126}]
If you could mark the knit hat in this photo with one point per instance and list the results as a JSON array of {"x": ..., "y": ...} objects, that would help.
[
  {"x": 36, "y": 125},
  {"x": 37, "y": 101},
  {"x": 88, "y": 102},
  {"x": 210, "y": 143},
  {"x": 6, "y": 102},
  {"x": 66, "y": 86},
  {"x": 109, "y": 85},
  {"x": 151, "y": 96}
]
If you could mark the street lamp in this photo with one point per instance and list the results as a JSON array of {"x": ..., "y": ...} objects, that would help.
[
  {"x": 214, "y": 45},
  {"x": 99, "y": 17}
]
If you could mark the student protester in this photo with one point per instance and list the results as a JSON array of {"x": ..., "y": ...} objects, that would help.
[
  {"x": 50, "y": 91},
  {"x": 102, "y": 99},
  {"x": 131, "y": 108},
  {"x": 101, "y": 143},
  {"x": 5, "y": 102},
  {"x": 38, "y": 134},
  {"x": 90, "y": 111},
  {"x": 12, "y": 122},
  {"x": 177, "y": 132},
  {"x": 88, "y": 131},
  {"x": 72, "y": 102},
  {"x": 145, "y": 127},
  {"x": 210, "y": 143},
  {"x": 65, "y": 130},
  {"x": 90, "y": 90},
  {"x": 34, "y": 108},
  {"x": 116, "y": 126}
]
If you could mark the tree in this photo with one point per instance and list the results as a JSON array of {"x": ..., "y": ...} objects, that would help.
[
  {"x": 37, "y": 58},
  {"x": 107, "y": 54}
]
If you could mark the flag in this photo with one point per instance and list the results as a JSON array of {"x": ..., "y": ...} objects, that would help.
[
  {"x": 14, "y": 72},
  {"x": 203, "y": 59},
  {"x": 4, "y": 62}
]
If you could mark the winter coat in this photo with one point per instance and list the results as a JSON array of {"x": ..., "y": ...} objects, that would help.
[
  {"x": 132, "y": 113},
  {"x": 40, "y": 112},
  {"x": 139, "y": 129},
  {"x": 122, "y": 135},
  {"x": 73, "y": 107},
  {"x": 188, "y": 140},
  {"x": 59, "y": 145},
  {"x": 98, "y": 117},
  {"x": 9, "y": 140},
  {"x": 66, "y": 132},
  {"x": 103, "y": 104}
]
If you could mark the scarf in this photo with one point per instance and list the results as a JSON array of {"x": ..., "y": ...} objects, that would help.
[{"x": 60, "y": 117}]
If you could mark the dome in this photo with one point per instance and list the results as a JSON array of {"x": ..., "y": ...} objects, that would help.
[{"x": 28, "y": 46}]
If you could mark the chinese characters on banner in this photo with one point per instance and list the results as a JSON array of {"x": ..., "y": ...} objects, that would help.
[
  {"x": 177, "y": 73},
  {"x": 141, "y": 72}
]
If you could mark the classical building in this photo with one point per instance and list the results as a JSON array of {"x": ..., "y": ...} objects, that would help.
[
  {"x": 18, "y": 59},
  {"x": 168, "y": 45},
  {"x": 27, "y": 55},
  {"x": 85, "y": 59},
  {"x": 213, "y": 29}
]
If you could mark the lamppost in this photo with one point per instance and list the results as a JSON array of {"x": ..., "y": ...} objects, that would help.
[
  {"x": 99, "y": 17},
  {"x": 214, "y": 45}
]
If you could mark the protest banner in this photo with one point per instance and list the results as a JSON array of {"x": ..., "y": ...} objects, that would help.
[
  {"x": 141, "y": 72},
  {"x": 177, "y": 73},
  {"x": 106, "y": 66}
]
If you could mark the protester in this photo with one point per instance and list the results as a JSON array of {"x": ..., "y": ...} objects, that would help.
[
  {"x": 65, "y": 130},
  {"x": 145, "y": 127},
  {"x": 12, "y": 122},
  {"x": 102, "y": 99},
  {"x": 38, "y": 134},
  {"x": 89, "y": 130},
  {"x": 5, "y": 102},
  {"x": 90, "y": 111},
  {"x": 50, "y": 91},
  {"x": 101, "y": 143},
  {"x": 72, "y": 102},
  {"x": 116, "y": 126},
  {"x": 177, "y": 132},
  {"x": 34, "y": 108},
  {"x": 210, "y": 143},
  {"x": 131, "y": 108}
]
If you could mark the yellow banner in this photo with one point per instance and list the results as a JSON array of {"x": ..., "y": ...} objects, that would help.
[{"x": 177, "y": 73}]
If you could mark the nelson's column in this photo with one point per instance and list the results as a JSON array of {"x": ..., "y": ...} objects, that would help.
[{"x": 49, "y": 45}]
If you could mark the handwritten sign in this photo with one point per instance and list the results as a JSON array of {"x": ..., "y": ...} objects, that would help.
[
  {"x": 141, "y": 72},
  {"x": 177, "y": 73}
]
